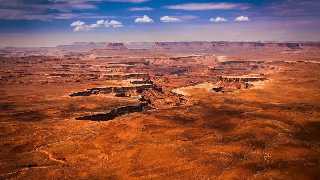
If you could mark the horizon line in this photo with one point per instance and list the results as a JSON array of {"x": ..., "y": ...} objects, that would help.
[{"x": 127, "y": 42}]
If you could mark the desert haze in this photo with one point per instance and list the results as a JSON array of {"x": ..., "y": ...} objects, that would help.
[{"x": 163, "y": 110}]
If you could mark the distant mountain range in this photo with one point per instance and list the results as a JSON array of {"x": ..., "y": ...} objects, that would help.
[{"x": 192, "y": 47}]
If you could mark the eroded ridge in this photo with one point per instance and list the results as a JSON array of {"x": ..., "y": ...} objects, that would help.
[
  {"x": 150, "y": 96},
  {"x": 230, "y": 83},
  {"x": 118, "y": 91},
  {"x": 115, "y": 113}
]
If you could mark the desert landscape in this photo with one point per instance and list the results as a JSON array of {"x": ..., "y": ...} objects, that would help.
[{"x": 161, "y": 110}]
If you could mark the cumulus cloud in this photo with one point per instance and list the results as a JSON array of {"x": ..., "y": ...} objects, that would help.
[
  {"x": 167, "y": 19},
  {"x": 208, "y": 6},
  {"x": 100, "y": 22},
  {"x": 77, "y": 23},
  {"x": 114, "y": 24},
  {"x": 79, "y": 26},
  {"x": 140, "y": 9},
  {"x": 143, "y": 19},
  {"x": 242, "y": 19},
  {"x": 82, "y": 26},
  {"x": 218, "y": 19}
]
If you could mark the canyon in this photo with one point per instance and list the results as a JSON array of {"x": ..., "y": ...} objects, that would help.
[{"x": 161, "y": 110}]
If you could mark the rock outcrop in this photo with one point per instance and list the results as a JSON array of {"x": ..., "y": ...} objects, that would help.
[
  {"x": 127, "y": 90},
  {"x": 125, "y": 76},
  {"x": 151, "y": 96},
  {"x": 115, "y": 113},
  {"x": 241, "y": 78}
]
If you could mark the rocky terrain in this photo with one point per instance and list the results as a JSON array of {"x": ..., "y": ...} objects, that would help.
[{"x": 163, "y": 110}]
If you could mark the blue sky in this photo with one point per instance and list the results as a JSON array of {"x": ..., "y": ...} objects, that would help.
[{"x": 53, "y": 22}]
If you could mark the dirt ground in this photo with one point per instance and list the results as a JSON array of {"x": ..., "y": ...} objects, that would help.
[{"x": 272, "y": 132}]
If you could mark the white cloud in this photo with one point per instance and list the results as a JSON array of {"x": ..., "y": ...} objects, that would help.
[
  {"x": 167, "y": 19},
  {"x": 208, "y": 6},
  {"x": 77, "y": 23},
  {"x": 242, "y": 19},
  {"x": 144, "y": 19},
  {"x": 140, "y": 9},
  {"x": 218, "y": 19},
  {"x": 100, "y": 22},
  {"x": 82, "y": 26},
  {"x": 115, "y": 24}
]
